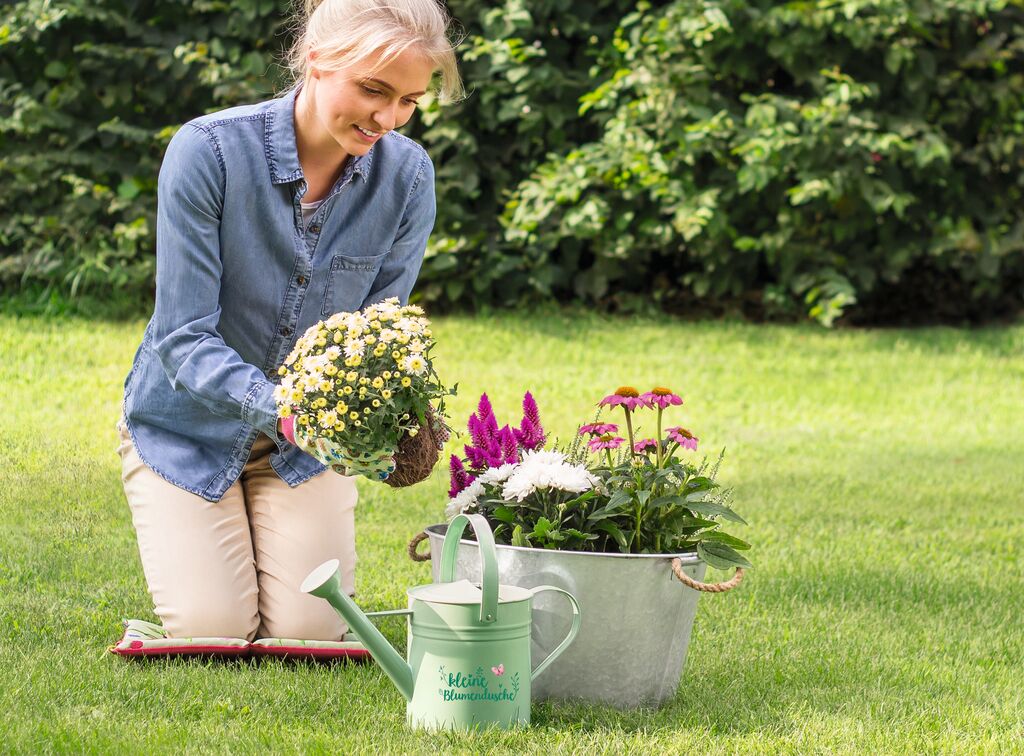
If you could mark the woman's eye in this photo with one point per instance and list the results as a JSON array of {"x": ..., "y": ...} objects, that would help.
[{"x": 378, "y": 93}]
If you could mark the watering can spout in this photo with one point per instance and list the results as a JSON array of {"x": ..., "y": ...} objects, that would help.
[{"x": 325, "y": 582}]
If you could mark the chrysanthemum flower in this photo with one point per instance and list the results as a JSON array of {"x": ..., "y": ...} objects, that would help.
[
  {"x": 661, "y": 397},
  {"x": 415, "y": 364},
  {"x": 683, "y": 437},
  {"x": 607, "y": 441},
  {"x": 625, "y": 396},
  {"x": 645, "y": 444},
  {"x": 597, "y": 429}
]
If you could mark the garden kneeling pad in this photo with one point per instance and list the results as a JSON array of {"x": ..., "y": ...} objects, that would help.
[{"x": 142, "y": 638}]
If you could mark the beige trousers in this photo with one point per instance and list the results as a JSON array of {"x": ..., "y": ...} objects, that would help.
[{"x": 233, "y": 568}]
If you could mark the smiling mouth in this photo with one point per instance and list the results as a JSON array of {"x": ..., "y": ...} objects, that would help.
[{"x": 367, "y": 133}]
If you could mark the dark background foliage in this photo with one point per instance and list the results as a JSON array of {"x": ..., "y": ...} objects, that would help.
[{"x": 834, "y": 159}]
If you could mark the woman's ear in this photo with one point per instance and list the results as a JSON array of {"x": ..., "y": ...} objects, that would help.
[{"x": 311, "y": 65}]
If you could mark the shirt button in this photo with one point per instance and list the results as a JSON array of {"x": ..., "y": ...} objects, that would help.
[
  {"x": 286, "y": 331},
  {"x": 314, "y": 229},
  {"x": 300, "y": 280},
  {"x": 271, "y": 373}
]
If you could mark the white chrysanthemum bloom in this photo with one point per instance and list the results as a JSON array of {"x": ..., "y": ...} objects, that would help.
[
  {"x": 414, "y": 364},
  {"x": 281, "y": 393},
  {"x": 387, "y": 335},
  {"x": 544, "y": 457},
  {"x": 315, "y": 363},
  {"x": 332, "y": 353},
  {"x": 416, "y": 346},
  {"x": 354, "y": 347},
  {"x": 465, "y": 499},
  {"x": 414, "y": 309},
  {"x": 389, "y": 309},
  {"x": 337, "y": 320},
  {"x": 329, "y": 419},
  {"x": 409, "y": 325},
  {"x": 546, "y": 469},
  {"x": 498, "y": 474}
]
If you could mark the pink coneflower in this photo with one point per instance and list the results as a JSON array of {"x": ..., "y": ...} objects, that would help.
[
  {"x": 624, "y": 396},
  {"x": 661, "y": 398},
  {"x": 645, "y": 444},
  {"x": 597, "y": 429},
  {"x": 607, "y": 441},
  {"x": 683, "y": 437}
]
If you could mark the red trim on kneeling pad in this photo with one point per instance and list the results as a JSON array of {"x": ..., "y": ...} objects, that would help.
[
  {"x": 356, "y": 654},
  {"x": 136, "y": 649}
]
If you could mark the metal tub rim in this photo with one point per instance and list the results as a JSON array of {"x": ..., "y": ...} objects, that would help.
[{"x": 687, "y": 558}]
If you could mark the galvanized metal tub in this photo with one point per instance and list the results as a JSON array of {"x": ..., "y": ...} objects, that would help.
[{"x": 637, "y": 618}]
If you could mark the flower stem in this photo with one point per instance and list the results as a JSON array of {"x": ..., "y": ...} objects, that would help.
[
  {"x": 629, "y": 430},
  {"x": 660, "y": 458}
]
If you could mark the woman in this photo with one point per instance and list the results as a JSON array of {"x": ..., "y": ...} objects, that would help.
[{"x": 269, "y": 218}]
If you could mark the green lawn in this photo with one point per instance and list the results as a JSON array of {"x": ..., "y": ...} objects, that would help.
[{"x": 882, "y": 473}]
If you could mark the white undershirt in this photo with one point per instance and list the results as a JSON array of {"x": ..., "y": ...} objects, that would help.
[{"x": 308, "y": 209}]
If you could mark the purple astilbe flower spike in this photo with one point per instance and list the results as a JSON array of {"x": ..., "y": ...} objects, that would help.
[
  {"x": 459, "y": 477},
  {"x": 531, "y": 433},
  {"x": 485, "y": 414},
  {"x": 530, "y": 409},
  {"x": 484, "y": 408},
  {"x": 509, "y": 447},
  {"x": 529, "y": 436},
  {"x": 478, "y": 432},
  {"x": 476, "y": 457}
]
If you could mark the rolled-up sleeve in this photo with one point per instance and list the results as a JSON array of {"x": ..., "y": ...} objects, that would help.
[
  {"x": 400, "y": 269},
  {"x": 190, "y": 194}
]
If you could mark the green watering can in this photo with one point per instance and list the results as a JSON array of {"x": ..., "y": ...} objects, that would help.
[{"x": 468, "y": 649}]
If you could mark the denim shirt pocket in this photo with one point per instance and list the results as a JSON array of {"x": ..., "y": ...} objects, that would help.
[{"x": 349, "y": 281}]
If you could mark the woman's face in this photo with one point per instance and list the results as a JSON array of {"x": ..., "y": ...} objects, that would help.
[{"x": 356, "y": 107}]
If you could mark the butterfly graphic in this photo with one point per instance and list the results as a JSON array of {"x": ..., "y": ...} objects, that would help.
[{"x": 499, "y": 670}]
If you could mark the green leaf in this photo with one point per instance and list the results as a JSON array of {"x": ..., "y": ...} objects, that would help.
[
  {"x": 55, "y": 70},
  {"x": 729, "y": 540},
  {"x": 541, "y": 528},
  {"x": 518, "y": 539},
  {"x": 504, "y": 514},
  {"x": 721, "y": 555},
  {"x": 711, "y": 509},
  {"x": 128, "y": 189},
  {"x": 613, "y": 530}
]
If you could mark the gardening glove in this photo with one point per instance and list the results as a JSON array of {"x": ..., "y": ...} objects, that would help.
[{"x": 373, "y": 465}]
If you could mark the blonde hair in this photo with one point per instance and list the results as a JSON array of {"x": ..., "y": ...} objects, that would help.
[{"x": 346, "y": 32}]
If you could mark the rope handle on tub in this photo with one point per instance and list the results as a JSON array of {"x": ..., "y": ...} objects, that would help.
[
  {"x": 728, "y": 585},
  {"x": 414, "y": 555}
]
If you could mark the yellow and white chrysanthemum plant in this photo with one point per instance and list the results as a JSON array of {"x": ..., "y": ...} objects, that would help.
[{"x": 358, "y": 382}]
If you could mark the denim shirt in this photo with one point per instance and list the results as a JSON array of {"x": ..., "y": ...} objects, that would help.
[{"x": 239, "y": 277}]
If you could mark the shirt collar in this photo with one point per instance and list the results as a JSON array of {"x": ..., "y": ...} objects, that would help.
[{"x": 282, "y": 152}]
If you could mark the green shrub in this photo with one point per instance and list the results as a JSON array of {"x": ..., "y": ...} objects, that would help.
[
  {"x": 90, "y": 94},
  {"x": 803, "y": 155},
  {"x": 808, "y": 152}
]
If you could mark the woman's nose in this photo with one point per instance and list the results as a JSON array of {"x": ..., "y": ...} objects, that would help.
[{"x": 386, "y": 117}]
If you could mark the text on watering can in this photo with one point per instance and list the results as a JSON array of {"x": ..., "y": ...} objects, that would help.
[{"x": 476, "y": 686}]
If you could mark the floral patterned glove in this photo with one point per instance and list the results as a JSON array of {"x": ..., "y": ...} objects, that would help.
[{"x": 375, "y": 466}]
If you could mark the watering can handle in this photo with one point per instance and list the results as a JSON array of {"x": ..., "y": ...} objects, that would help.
[
  {"x": 488, "y": 556},
  {"x": 572, "y": 630}
]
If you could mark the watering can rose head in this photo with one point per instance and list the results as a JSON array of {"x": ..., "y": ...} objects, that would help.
[
  {"x": 611, "y": 489},
  {"x": 359, "y": 384}
]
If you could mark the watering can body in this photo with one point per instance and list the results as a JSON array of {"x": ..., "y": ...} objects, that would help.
[{"x": 468, "y": 646}]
